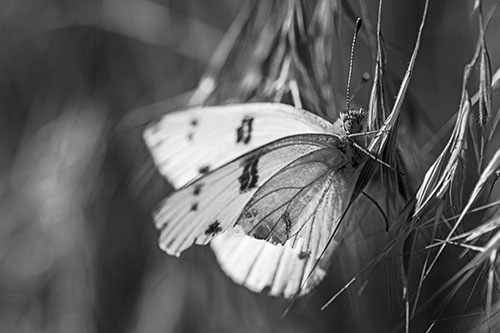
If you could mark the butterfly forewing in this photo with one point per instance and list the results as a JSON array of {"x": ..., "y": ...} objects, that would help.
[
  {"x": 210, "y": 205},
  {"x": 282, "y": 231},
  {"x": 187, "y": 144}
]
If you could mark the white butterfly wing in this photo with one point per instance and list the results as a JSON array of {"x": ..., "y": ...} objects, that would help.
[
  {"x": 213, "y": 203},
  {"x": 275, "y": 269},
  {"x": 187, "y": 144},
  {"x": 283, "y": 230}
]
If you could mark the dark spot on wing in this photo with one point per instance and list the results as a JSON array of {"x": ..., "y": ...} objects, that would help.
[
  {"x": 288, "y": 223},
  {"x": 304, "y": 254},
  {"x": 250, "y": 175},
  {"x": 261, "y": 232},
  {"x": 190, "y": 136},
  {"x": 204, "y": 169},
  {"x": 244, "y": 132},
  {"x": 213, "y": 229},
  {"x": 197, "y": 189},
  {"x": 275, "y": 231},
  {"x": 275, "y": 240},
  {"x": 194, "y": 122},
  {"x": 266, "y": 289},
  {"x": 194, "y": 207},
  {"x": 252, "y": 213}
]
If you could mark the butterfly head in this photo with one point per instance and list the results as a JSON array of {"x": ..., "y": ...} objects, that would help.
[{"x": 353, "y": 121}]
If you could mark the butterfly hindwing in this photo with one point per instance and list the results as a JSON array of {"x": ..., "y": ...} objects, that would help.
[
  {"x": 187, "y": 144},
  {"x": 212, "y": 204},
  {"x": 282, "y": 231}
]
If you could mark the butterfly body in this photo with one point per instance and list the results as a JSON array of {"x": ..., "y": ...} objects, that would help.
[{"x": 277, "y": 188}]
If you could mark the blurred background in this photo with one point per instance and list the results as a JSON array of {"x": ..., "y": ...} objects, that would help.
[{"x": 79, "y": 81}]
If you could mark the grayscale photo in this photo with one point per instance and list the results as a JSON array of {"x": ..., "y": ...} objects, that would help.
[{"x": 249, "y": 166}]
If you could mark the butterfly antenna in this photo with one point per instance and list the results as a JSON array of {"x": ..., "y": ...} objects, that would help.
[{"x": 348, "y": 98}]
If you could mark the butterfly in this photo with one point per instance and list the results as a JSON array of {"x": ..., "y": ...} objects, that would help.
[{"x": 266, "y": 184}]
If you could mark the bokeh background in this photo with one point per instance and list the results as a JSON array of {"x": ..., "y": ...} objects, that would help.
[{"x": 78, "y": 82}]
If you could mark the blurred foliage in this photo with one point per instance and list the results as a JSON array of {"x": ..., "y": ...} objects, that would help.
[{"x": 79, "y": 80}]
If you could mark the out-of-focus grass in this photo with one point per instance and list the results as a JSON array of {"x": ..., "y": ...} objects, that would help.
[
  {"x": 75, "y": 237},
  {"x": 78, "y": 251}
]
